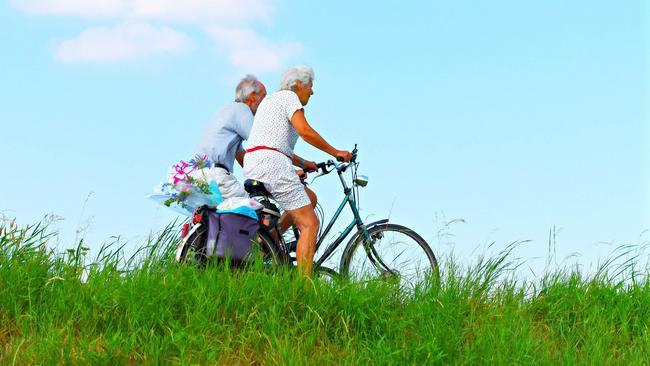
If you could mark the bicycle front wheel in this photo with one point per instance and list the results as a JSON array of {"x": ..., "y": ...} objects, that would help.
[{"x": 394, "y": 251}]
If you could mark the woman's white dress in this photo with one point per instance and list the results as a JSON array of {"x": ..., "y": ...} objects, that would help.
[{"x": 272, "y": 128}]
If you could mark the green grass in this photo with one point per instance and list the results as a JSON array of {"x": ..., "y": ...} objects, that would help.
[{"x": 147, "y": 310}]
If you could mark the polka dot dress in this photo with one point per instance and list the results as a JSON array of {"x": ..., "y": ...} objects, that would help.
[{"x": 272, "y": 127}]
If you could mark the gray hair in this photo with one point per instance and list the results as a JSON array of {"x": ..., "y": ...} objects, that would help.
[
  {"x": 247, "y": 86},
  {"x": 304, "y": 74}
]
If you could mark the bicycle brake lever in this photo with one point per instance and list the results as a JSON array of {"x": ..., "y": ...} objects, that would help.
[
  {"x": 314, "y": 178},
  {"x": 323, "y": 169}
]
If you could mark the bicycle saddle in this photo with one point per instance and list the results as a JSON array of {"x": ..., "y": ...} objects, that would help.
[{"x": 255, "y": 188}]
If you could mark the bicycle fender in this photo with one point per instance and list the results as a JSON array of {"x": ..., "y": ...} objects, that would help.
[
  {"x": 374, "y": 223},
  {"x": 356, "y": 235},
  {"x": 181, "y": 245},
  {"x": 348, "y": 246}
]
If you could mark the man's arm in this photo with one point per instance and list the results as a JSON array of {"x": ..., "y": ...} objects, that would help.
[
  {"x": 239, "y": 156},
  {"x": 243, "y": 127}
]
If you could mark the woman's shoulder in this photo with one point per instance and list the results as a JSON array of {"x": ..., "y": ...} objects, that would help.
[
  {"x": 277, "y": 104},
  {"x": 283, "y": 95}
]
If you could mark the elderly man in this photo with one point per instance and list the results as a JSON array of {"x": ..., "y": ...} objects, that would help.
[
  {"x": 270, "y": 158},
  {"x": 222, "y": 139}
]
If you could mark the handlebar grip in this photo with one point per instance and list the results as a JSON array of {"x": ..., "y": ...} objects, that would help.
[{"x": 339, "y": 159}]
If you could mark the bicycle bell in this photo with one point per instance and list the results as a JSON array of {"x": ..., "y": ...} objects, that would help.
[{"x": 361, "y": 180}]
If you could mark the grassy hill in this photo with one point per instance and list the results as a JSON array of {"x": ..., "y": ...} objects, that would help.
[{"x": 147, "y": 310}]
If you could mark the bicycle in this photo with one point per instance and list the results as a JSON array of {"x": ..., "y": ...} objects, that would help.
[{"x": 371, "y": 252}]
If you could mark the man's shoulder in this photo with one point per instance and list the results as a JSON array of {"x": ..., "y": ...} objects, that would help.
[
  {"x": 234, "y": 107},
  {"x": 233, "y": 111},
  {"x": 241, "y": 107}
]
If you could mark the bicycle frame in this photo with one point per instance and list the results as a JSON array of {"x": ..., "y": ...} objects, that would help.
[{"x": 348, "y": 200}]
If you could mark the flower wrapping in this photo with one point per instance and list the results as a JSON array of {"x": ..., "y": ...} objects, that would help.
[
  {"x": 187, "y": 188},
  {"x": 189, "y": 185}
]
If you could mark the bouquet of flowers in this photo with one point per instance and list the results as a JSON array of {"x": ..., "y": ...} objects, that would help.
[{"x": 186, "y": 188}]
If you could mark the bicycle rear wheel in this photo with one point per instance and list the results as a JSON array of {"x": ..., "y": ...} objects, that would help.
[
  {"x": 193, "y": 247},
  {"x": 266, "y": 252},
  {"x": 263, "y": 250},
  {"x": 398, "y": 253}
]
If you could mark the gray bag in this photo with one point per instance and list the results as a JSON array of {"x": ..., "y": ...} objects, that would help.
[{"x": 230, "y": 235}]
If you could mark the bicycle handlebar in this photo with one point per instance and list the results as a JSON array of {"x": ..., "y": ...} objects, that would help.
[
  {"x": 354, "y": 155},
  {"x": 340, "y": 167}
]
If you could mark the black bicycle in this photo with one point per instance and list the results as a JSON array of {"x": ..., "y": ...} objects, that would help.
[{"x": 376, "y": 250}]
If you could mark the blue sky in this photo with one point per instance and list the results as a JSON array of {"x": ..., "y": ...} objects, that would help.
[{"x": 515, "y": 117}]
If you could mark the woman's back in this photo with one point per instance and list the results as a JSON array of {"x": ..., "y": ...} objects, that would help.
[{"x": 272, "y": 126}]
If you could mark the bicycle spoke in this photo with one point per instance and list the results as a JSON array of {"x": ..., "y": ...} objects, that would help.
[{"x": 395, "y": 253}]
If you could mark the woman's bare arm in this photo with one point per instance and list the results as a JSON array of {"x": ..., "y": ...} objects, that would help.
[{"x": 308, "y": 134}]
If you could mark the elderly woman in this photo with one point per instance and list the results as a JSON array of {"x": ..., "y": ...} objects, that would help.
[{"x": 280, "y": 119}]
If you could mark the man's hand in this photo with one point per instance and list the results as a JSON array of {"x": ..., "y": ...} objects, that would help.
[
  {"x": 344, "y": 155},
  {"x": 301, "y": 174}
]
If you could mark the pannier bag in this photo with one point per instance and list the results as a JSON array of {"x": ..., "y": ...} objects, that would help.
[{"x": 230, "y": 235}]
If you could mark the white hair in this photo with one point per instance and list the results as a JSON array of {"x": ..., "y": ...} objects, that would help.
[
  {"x": 247, "y": 86},
  {"x": 304, "y": 74}
]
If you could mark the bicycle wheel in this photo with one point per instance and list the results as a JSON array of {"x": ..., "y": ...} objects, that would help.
[
  {"x": 398, "y": 253},
  {"x": 327, "y": 274},
  {"x": 263, "y": 250},
  {"x": 193, "y": 247}
]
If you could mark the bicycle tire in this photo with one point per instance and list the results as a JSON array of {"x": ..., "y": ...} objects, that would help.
[
  {"x": 353, "y": 255},
  {"x": 193, "y": 250},
  {"x": 193, "y": 244},
  {"x": 273, "y": 258},
  {"x": 327, "y": 274}
]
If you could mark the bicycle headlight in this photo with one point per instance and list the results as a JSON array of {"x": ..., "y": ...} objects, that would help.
[{"x": 361, "y": 180}]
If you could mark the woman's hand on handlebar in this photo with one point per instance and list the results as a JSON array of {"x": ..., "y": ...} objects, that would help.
[
  {"x": 343, "y": 156},
  {"x": 310, "y": 167}
]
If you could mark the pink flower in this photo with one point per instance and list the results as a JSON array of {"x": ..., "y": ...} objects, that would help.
[
  {"x": 182, "y": 172},
  {"x": 183, "y": 186}
]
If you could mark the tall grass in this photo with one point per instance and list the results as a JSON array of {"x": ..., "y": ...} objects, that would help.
[{"x": 67, "y": 308}]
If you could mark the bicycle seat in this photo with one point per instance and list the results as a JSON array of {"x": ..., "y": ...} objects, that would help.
[{"x": 255, "y": 188}]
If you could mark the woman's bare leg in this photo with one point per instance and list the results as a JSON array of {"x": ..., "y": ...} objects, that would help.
[
  {"x": 307, "y": 222},
  {"x": 286, "y": 220}
]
